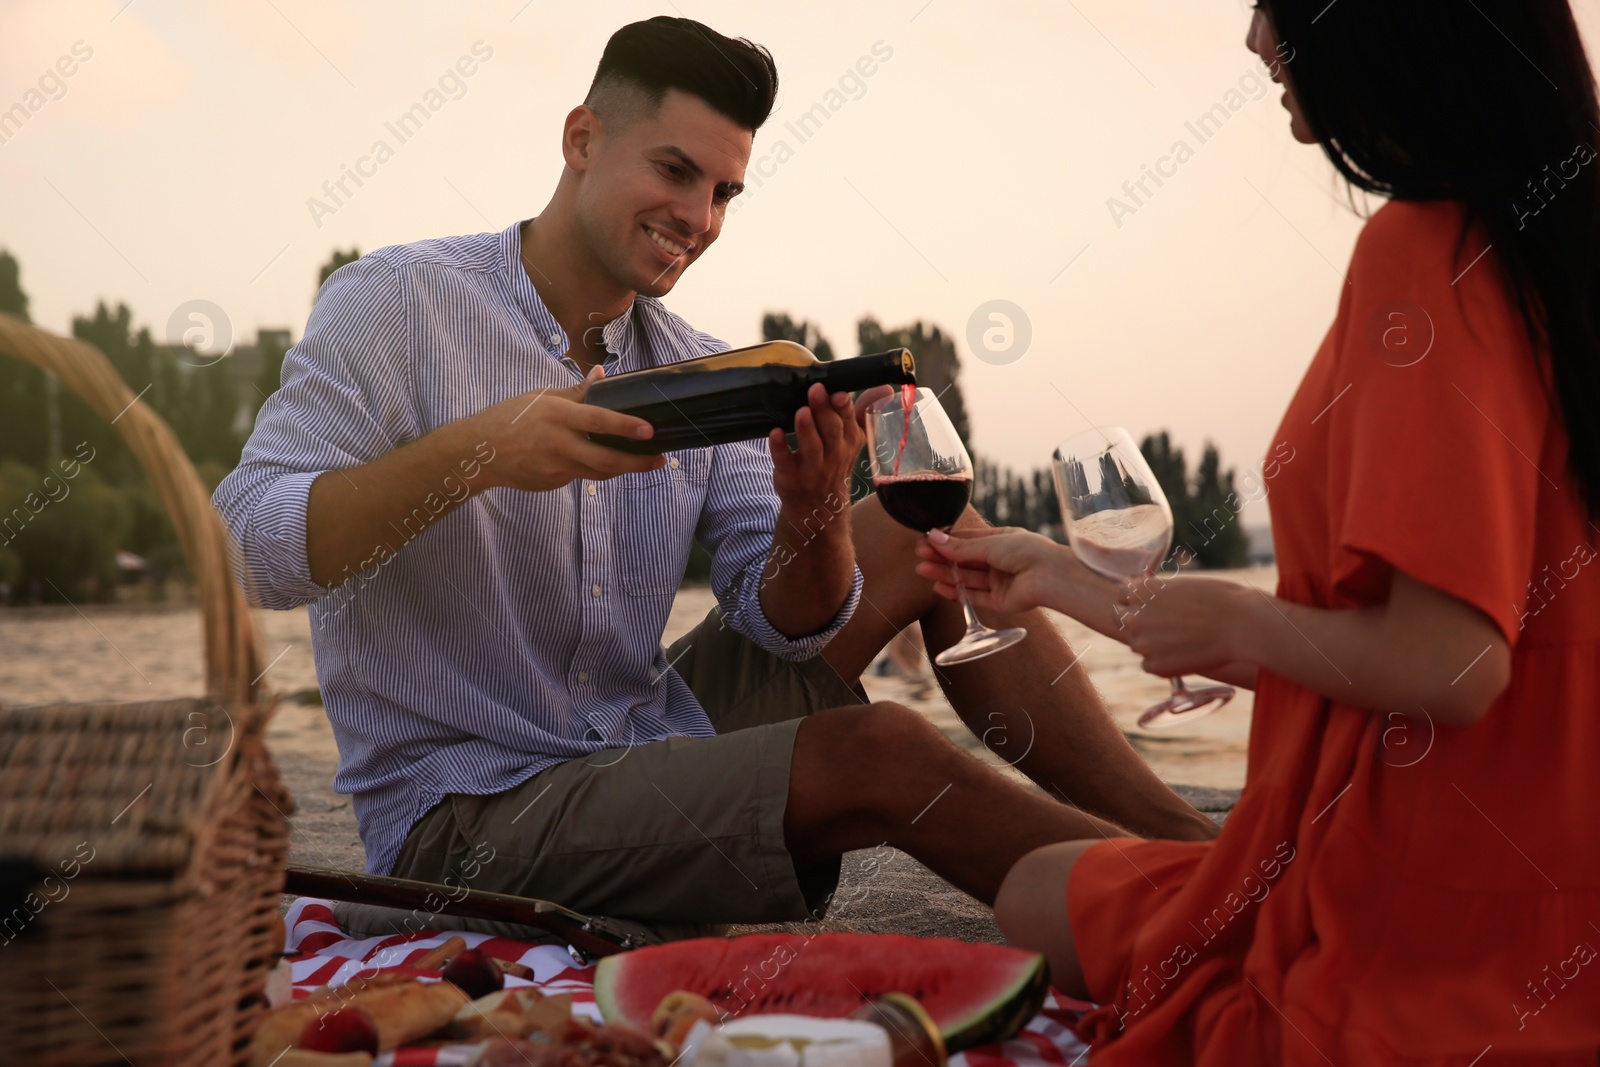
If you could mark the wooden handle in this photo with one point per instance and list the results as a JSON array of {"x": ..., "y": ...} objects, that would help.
[{"x": 593, "y": 936}]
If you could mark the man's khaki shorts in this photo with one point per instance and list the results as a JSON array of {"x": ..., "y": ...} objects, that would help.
[{"x": 673, "y": 834}]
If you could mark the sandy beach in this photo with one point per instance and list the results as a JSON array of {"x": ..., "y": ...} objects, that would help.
[
  {"x": 123, "y": 653},
  {"x": 65, "y": 654}
]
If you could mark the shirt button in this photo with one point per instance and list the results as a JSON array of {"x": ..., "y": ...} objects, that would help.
[
  {"x": 592, "y": 489},
  {"x": 673, "y": 463},
  {"x": 583, "y": 676},
  {"x": 555, "y": 338},
  {"x": 594, "y": 590}
]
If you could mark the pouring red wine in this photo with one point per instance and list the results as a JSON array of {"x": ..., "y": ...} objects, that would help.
[{"x": 923, "y": 478}]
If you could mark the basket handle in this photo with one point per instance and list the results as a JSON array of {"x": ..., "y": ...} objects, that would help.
[{"x": 232, "y": 656}]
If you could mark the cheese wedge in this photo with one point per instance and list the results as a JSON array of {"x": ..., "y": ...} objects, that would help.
[{"x": 787, "y": 1041}]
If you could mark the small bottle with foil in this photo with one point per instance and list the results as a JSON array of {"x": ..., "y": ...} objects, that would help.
[{"x": 914, "y": 1038}]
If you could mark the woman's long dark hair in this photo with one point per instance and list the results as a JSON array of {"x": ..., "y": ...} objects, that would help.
[{"x": 1487, "y": 102}]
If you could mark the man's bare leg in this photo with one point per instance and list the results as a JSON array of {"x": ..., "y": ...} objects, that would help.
[
  {"x": 862, "y": 776},
  {"x": 1033, "y": 704}
]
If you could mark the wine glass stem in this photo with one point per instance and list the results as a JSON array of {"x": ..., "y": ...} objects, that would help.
[
  {"x": 973, "y": 625},
  {"x": 1178, "y": 687}
]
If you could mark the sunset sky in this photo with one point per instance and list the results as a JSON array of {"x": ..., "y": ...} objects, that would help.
[{"x": 185, "y": 158}]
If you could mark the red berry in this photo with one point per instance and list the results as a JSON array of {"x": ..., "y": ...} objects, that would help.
[
  {"x": 341, "y": 1030},
  {"x": 474, "y": 973}
]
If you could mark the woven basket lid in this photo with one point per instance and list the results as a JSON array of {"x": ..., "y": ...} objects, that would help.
[{"x": 129, "y": 785}]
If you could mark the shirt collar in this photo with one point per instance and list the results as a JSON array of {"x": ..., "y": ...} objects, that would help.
[{"x": 627, "y": 337}]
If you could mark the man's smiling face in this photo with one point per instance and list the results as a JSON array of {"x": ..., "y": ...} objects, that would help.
[{"x": 656, "y": 188}]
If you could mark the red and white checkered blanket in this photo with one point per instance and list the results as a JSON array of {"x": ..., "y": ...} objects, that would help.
[{"x": 323, "y": 954}]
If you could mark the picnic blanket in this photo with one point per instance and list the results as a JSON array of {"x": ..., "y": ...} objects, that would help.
[{"x": 320, "y": 953}]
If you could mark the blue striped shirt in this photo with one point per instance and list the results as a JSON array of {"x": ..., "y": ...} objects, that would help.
[{"x": 524, "y": 628}]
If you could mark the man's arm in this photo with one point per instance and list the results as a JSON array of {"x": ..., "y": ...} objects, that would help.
[
  {"x": 356, "y": 517},
  {"x": 338, "y": 474},
  {"x": 811, "y": 566}
]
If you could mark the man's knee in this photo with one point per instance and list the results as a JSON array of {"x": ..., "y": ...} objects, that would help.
[
  {"x": 970, "y": 519},
  {"x": 887, "y": 727},
  {"x": 886, "y": 737}
]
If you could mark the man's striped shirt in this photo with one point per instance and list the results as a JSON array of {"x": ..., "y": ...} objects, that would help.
[{"x": 524, "y": 628}]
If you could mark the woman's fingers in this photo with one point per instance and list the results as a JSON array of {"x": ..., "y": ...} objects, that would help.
[{"x": 943, "y": 572}]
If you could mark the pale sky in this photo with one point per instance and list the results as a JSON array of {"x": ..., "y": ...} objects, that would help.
[{"x": 974, "y": 163}]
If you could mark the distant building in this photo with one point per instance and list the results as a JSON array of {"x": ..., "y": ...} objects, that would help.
[{"x": 242, "y": 363}]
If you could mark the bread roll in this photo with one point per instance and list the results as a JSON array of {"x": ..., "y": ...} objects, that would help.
[{"x": 404, "y": 1008}]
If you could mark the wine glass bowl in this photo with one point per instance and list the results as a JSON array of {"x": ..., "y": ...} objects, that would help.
[
  {"x": 922, "y": 475},
  {"x": 1119, "y": 524}
]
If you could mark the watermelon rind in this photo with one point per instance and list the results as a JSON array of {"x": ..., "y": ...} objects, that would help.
[
  {"x": 1012, "y": 1010},
  {"x": 1000, "y": 1017}
]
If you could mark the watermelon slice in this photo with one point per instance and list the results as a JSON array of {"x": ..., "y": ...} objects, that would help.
[{"x": 977, "y": 994}]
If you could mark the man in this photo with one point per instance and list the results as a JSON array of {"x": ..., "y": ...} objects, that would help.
[{"x": 488, "y": 587}]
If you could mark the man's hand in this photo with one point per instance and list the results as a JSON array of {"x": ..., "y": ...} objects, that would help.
[
  {"x": 362, "y": 515},
  {"x": 812, "y": 564},
  {"x": 828, "y": 437},
  {"x": 541, "y": 439}
]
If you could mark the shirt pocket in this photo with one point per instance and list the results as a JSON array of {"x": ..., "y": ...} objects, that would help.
[{"x": 655, "y": 520}]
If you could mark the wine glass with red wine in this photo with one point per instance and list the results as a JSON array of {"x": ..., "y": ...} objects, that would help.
[
  {"x": 1120, "y": 525},
  {"x": 923, "y": 478}
]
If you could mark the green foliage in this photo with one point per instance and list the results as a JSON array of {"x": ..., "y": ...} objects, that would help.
[
  {"x": 12, "y": 299},
  {"x": 938, "y": 369},
  {"x": 272, "y": 353},
  {"x": 64, "y": 530},
  {"x": 776, "y": 327},
  {"x": 24, "y": 389},
  {"x": 1215, "y": 535},
  {"x": 335, "y": 261},
  {"x": 1005, "y": 498},
  {"x": 1205, "y": 509}
]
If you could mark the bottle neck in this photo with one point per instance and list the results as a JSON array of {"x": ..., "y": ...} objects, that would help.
[{"x": 894, "y": 367}]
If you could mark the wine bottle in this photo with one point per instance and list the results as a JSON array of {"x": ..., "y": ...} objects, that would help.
[{"x": 735, "y": 396}]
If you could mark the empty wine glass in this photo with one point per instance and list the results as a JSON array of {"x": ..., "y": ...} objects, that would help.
[
  {"x": 1120, "y": 525},
  {"x": 923, "y": 477}
]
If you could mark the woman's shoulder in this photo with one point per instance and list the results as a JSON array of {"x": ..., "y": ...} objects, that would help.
[{"x": 1419, "y": 237}]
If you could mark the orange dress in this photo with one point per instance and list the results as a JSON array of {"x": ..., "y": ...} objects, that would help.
[{"x": 1388, "y": 891}]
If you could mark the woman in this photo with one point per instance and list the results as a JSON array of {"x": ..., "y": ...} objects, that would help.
[{"x": 1411, "y": 875}]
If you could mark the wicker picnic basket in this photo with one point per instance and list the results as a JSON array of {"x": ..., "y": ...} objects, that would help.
[{"x": 142, "y": 845}]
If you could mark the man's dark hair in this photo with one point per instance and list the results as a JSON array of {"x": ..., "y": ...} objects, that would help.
[{"x": 644, "y": 59}]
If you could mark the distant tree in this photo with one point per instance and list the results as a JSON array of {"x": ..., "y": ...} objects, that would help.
[
  {"x": 12, "y": 299},
  {"x": 133, "y": 355},
  {"x": 335, "y": 261},
  {"x": 1044, "y": 511},
  {"x": 272, "y": 354},
  {"x": 1171, "y": 469},
  {"x": 775, "y": 327},
  {"x": 70, "y": 538},
  {"x": 938, "y": 369},
  {"x": 24, "y": 390},
  {"x": 1215, "y": 534},
  {"x": 1205, "y": 510}
]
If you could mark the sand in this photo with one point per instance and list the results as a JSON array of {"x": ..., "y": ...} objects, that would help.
[{"x": 122, "y": 653}]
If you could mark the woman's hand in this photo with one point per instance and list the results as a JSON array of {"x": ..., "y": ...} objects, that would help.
[
  {"x": 1008, "y": 570},
  {"x": 1186, "y": 625}
]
